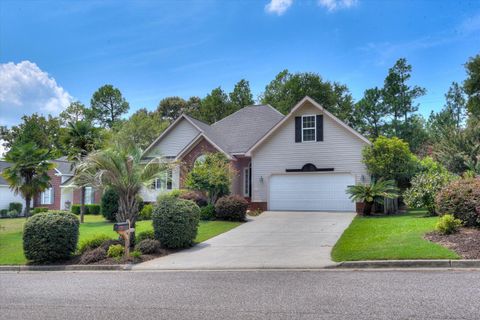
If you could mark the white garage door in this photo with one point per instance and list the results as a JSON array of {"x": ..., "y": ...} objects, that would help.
[{"x": 311, "y": 191}]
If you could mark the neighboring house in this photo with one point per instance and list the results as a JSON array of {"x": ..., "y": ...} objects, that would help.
[
  {"x": 6, "y": 195},
  {"x": 60, "y": 196},
  {"x": 302, "y": 161}
]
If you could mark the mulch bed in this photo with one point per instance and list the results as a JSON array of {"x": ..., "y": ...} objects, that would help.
[{"x": 465, "y": 243}]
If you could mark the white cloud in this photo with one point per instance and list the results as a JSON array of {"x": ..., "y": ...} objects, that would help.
[
  {"x": 278, "y": 6},
  {"x": 25, "y": 89},
  {"x": 333, "y": 5}
]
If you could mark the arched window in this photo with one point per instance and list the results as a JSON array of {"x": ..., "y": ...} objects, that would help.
[{"x": 200, "y": 159}]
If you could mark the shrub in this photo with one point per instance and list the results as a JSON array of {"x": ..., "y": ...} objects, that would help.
[
  {"x": 94, "y": 255},
  {"x": 17, "y": 206},
  {"x": 373, "y": 192},
  {"x": 448, "y": 224},
  {"x": 109, "y": 205},
  {"x": 135, "y": 254},
  {"x": 146, "y": 213},
  {"x": 140, "y": 202},
  {"x": 424, "y": 188},
  {"x": 461, "y": 198},
  {"x": 232, "y": 208},
  {"x": 148, "y": 246},
  {"x": 255, "y": 213},
  {"x": 92, "y": 209},
  {"x": 110, "y": 242},
  {"x": 3, "y": 213},
  {"x": 194, "y": 196},
  {"x": 12, "y": 214},
  {"x": 75, "y": 209},
  {"x": 207, "y": 213},
  {"x": 92, "y": 243},
  {"x": 149, "y": 234},
  {"x": 115, "y": 251},
  {"x": 50, "y": 236},
  {"x": 39, "y": 210},
  {"x": 175, "y": 222}
]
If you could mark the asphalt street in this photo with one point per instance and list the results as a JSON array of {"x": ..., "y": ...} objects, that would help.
[{"x": 327, "y": 294}]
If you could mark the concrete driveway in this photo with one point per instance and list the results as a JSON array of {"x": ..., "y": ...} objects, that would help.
[{"x": 271, "y": 240}]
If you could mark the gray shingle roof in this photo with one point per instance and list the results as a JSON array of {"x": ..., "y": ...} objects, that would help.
[
  {"x": 242, "y": 129},
  {"x": 3, "y": 166},
  {"x": 62, "y": 165}
]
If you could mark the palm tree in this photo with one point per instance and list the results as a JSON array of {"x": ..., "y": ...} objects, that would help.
[
  {"x": 28, "y": 174},
  {"x": 121, "y": 169},
  {"x": 81, "y": 139},
  {"x": 373, "y": 192}
]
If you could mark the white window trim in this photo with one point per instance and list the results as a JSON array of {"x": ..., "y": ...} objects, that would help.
[
  {"x": 246, "y": 180},
  {"x": 43, "y": 194},
  {"x": 167, "y": 175},
  {"x": 309, "y": 128},
  {"x": 89, "y": 194}
]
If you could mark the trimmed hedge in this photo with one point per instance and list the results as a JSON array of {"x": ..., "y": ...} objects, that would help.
[
  {"x": 232, "y": 208},
  {"x": 39, "y": 210},
  {"x": 50, "y": 236},
  {"x": 461, "y": 198},
  {"x": 148, "y": 246},
  {"x": 89, "y": 209},
  {"x": 207, "y": 213},
  {"x": 175, "y": 222},
  {"x": 148, "y": 234},
  {"x": 110, "y": 205}
]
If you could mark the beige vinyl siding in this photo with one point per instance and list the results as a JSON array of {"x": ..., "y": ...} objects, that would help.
[
  {"x": 174, "y": 141},
  {"x": 340, "y": 150}
]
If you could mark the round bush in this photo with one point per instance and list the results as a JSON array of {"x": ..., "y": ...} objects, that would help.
[
  {"x": 92, "y": 209},
  {"x": 148, "y": 246},
  {"x": 94, "y": 255},
  {"x": 92, "y": 243},
  {"x": 175, "y": 222},
  {"x": 146, "y": 213},
  {"x": 50, "y": 236},
  {"x": 75, "y": 209},
  {"x": 233, "y": 208},
  {"x": 461, "y": 198},
  {"x": 148, "y": 234},
  {"x": 194, "y": 196},
  {"x": 109, "y": 205},
  {"x": 207, "y": 213}
]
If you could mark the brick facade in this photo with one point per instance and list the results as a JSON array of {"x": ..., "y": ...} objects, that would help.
[
  {"x": 189, "y": 159},
  {"x": 55, "y": 182},
  {"x": 77, "y": 196}
]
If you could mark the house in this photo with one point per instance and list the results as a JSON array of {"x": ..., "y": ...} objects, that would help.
[
  {"x": 61, "y": 194},
  {"x": 302, "y": 161}
]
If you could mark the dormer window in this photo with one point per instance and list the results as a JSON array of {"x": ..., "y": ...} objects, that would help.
[{"x": 308, "y": 128}]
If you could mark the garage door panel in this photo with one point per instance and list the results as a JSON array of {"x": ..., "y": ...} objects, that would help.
[{"x": 319, "y": 192}]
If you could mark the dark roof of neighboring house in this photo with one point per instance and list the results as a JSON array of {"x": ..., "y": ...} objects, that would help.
[
  {"x": 62, "y": 165},
  {"x": 239, "y": 131}
]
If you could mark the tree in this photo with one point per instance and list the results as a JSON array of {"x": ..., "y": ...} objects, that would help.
[
  {"x": 241, "y": 96},
  {"x": 108, "y": 105},
  {"x": 415, "y": 133},
  {"x": 121, "y": 169},
  {"x": 43, "y": 132},
  {"x": 28, "y": 174},
  {"x": 140, "y": 130},
  {"x": 471, "y": 85},
  {"x": 399, "y": 96},
  {"x": 213, "y": 176},
  {"x": 81, "y": 138},
  {"x": 288, "y": 89},
  {"x": 455, "y": 103},
  {"x": 390, "y": 159},
  {"x": 215, "y": 106},
  {"x": 75, "y": 112},
  {"x": 171, "y": 108},
  {"x": 372, "y": 111},
  {"x": 372, "y": 193}
]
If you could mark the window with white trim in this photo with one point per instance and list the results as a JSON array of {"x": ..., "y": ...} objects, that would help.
[
  {"x": 46, "y": 197},
  {"x": 88, "y": 195},
  {"x": 165, "y": 182},
  {"x": 246, "y": 182},
  {"x": 309, "y": 128}
]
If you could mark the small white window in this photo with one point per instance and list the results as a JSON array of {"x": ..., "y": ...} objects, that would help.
[
  {"x": 246, "y": 182},
  {"x": 309, "y": 128},
  {"x": 165, "y": 182},
  {"x": 88, "y": 195},
  {"x": 47, "y": 196}
]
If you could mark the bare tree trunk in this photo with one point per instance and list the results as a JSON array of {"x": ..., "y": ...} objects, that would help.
[
  {"x": 28, "y": 199},
  {"x": 82, "y": 204}
]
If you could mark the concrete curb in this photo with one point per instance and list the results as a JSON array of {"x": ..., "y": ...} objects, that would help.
[
  {"x": 374, "y": 264},
  {"x": 74, "y": 267}
]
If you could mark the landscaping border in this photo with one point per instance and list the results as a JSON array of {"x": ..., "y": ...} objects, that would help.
[{"x": 72, "y": 267}]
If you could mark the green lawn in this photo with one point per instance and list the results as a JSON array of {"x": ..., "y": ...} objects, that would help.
[
  {"x": 389, "y": 238},
  {"x": 11, "y": 251}
]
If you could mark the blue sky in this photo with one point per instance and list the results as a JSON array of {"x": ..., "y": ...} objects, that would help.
[{"x": 52, "y": 52}]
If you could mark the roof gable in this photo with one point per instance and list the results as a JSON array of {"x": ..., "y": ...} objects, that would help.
[{"x": 304, "y": 102}]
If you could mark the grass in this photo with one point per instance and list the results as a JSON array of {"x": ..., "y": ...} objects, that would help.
[
  {"x": 396, "y": 237},
  {"x": 11, "y": 250}
]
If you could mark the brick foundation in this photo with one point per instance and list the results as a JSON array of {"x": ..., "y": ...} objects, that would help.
[
  {"x": 258, "y": 206},
  {"x": 359, "y": 207}
]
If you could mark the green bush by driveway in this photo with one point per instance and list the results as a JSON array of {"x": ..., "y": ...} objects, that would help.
[{"x": 390, "y": 238}]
